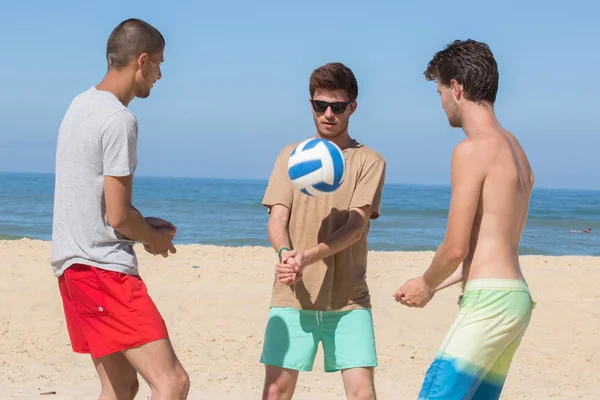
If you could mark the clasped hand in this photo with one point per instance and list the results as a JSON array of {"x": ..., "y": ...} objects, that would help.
[
  {"x": 414, "y": 293},
  {"x": 289, "y": 270},
  {"x": 164, "y": 243}
]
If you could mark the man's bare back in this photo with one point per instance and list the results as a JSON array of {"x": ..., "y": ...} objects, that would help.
[{"x": 503, "y": 207}]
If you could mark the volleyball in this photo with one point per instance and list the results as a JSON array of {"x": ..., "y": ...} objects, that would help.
[{"x": 317, "y": 167}]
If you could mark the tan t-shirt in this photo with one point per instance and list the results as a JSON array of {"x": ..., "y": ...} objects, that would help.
[{"x": 338, "y": 282}]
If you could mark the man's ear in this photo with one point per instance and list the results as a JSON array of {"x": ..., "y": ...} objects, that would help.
[
  {"x": 457, "y": 89},
  {"x": 141, "y": 59},
  {"x": 353, "y": 107}
]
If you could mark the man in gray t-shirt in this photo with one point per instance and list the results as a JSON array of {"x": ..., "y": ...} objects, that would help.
[{"x": 108, "y": 311}]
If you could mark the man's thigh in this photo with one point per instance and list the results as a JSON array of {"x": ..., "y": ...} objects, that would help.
[
  {"x": 484, "y": 332},
  {"x": 113, "y": 311},
  {"x": 348, "y": 339},
  {"x": 117, "y": 376},
  {"x": 291, "y": 339},
  {"x": 359, "y": 383},
  {"x": 492, "y": 382},
  {"x": 155, "y": 361}
]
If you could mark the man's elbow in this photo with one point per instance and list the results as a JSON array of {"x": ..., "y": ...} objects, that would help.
[
  {"x": 118, "y": 219},
  {"x": 357, "y": 233},
  {"x": 455, "y": 253},
  {"x": 276, "y": 225}
]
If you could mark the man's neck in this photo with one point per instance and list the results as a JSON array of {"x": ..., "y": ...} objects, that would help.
[
  {"x": 119, "y": 84},
  {"x": 343, "y": 141},
  {"x": 477, "y": 119}
]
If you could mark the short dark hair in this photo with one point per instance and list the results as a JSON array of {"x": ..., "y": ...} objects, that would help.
[
  {"x": 131, "y": 38},
  {"x": 471, "y": 64},
  {"x": 334, "y": 76}
]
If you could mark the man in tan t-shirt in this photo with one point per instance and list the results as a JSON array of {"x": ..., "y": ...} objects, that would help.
[{"x": 320, "y": 292}]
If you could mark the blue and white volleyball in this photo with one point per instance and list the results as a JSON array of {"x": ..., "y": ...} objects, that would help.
[{"x": 317, "y": 167}]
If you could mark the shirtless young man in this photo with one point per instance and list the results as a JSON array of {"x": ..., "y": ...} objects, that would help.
[
  {"x": 108, "y": 311},
  {"x": 491, "y": 187},
  {"x": 320, "y": 293}
]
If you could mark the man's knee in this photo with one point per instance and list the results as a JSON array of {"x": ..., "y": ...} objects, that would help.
[
  {"x": 272, "y": 391},
  {"x": 126, "y": 390},
  {"x": 175, "y": 384},
  {"x": 130, "y": 390},
  {"x": 359, "y": 384},
  {"x": 364, "y": 391},
  {"x": 278, "y": 391},
  {"x": 158, "y": 364},
  {"x": 280, "y": 383},
  {"x": 184, "y": 381}
]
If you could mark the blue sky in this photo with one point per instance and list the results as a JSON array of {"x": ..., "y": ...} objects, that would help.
[{"x": 235, "y": 84}]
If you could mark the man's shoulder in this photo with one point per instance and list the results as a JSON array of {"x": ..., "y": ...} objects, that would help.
[
  {"x": 368, "y": 154},
  {"x": 476, "y": 148},
  {"x": 121, "y": 117},
  {"x": 291, "y": 146},
  {"x": 104, "y": 105},
  {"x": 473, "y": 156},
  {"x": 287, "y": 149}
]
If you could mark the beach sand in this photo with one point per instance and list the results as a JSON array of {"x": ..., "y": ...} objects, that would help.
[{"x": 215, "y": 302}]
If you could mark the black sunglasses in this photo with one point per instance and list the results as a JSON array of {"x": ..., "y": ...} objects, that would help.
[{"x": 338, "y": 107}]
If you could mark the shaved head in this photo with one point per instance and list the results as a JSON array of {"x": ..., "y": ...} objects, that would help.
[{"x": 130, "y": 39}]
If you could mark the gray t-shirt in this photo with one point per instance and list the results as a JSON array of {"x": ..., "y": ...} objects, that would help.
[{"x": 97, "y": 137}]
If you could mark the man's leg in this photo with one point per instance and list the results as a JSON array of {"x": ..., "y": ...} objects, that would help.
[
  {"x": 117, "y": 376},
  {"x": 493, "y": 382},
  {"x": 280, "y": 383},
  {"x": 359, "y": 383},
  {"x": 290, "y": 346},
  {"x": 157, "y": 364},
  {"x": 349, "y": 346},
  {"x": 153, "y": 356},
  {"x": 116, "y": 315},
  {"x": 493, "y": 315}
]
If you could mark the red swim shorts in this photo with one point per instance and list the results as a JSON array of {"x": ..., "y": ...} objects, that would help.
[{"x": 107, "y": 312}]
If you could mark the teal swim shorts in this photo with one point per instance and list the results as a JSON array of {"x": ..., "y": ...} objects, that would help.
[{"x": 292, "y": 338}]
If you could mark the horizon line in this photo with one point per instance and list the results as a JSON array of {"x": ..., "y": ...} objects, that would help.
[{"x": 440, "y": 185}]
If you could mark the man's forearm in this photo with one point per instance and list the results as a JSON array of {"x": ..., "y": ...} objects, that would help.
[
  {"x": 134, "y": 227},
  {"x": 444, "y": 263},
  {"x": 344, "y": 237},
  {"x": 278, "y": 234},
  {"x": 453, "y": 279}
]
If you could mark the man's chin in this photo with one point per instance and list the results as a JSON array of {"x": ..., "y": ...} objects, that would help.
[
  {"x": 329, "y": 134},
  {"x": 455, "y": 123},
  {"x": 144, "y": 94}
]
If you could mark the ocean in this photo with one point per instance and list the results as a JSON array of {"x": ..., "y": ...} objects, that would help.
[{"x": 228, "y": 213}]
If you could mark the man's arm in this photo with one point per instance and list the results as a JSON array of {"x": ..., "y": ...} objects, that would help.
[
  {"x": 278, "y": 199},
  {"x": 453, "y": 279},
  {"x": 344, "y": 237},
  {"x": 277, "y": 227},
  {"x": 364, "y": 205},
  {"x": 289, "y": 269},
  {"x": 118, "y": 142},
  {"x": 123, "y": 217},
  {"x": 468, "y": 172}
]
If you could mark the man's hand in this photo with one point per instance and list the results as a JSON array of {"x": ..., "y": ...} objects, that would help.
[
  {"x": 163, "y": 244},
  {"x": 414, "y": 293},
  {"x": 289, "y": 270},
  {"x": 158, "y": 223}
]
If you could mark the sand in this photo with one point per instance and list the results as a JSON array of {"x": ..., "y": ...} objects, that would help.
[{"x": 215, "y": 302}]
